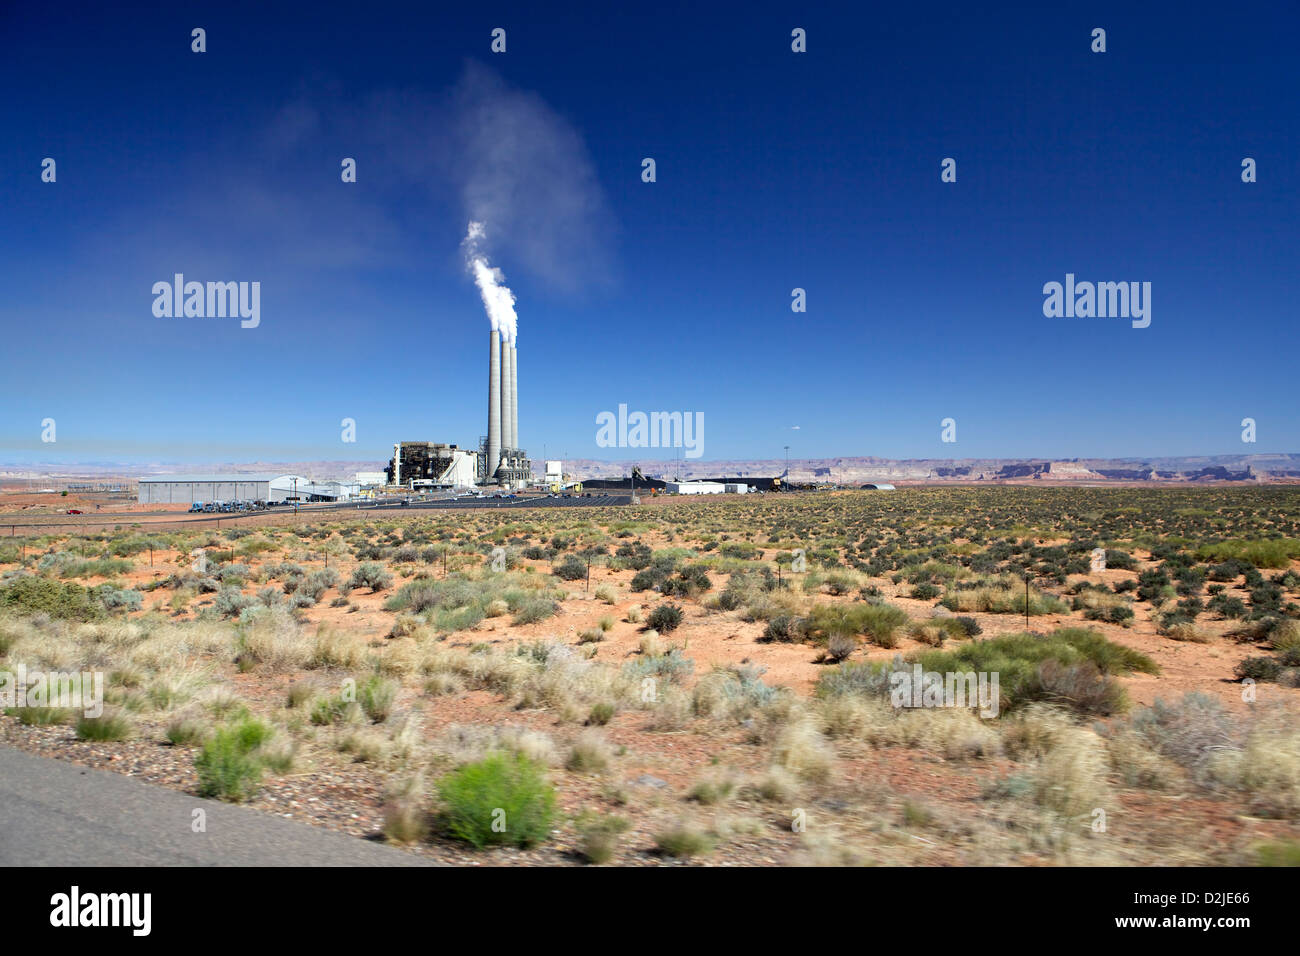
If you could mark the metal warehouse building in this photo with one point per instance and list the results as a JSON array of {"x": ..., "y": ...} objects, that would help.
[{"x": 187, "y": 489}]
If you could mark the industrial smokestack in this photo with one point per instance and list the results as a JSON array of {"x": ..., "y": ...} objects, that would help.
[
  {"x": 507, "y": 400},
  {"x": 514, "y": 395},
  {"x": 494, "y": 404}
]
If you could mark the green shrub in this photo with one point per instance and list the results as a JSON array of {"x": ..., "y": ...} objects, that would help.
[
  {"x": 29, "y": 594},
  {"x": 229, "y": 766},
  {"x": 1278, "y": 853},
  {"x": 665, "y": 618},
  {"x": 572, "y": 568},
  {"x": 1258, "y": 669},
  {"x": 376, "y": 698},
  {"x": 370, "y": 574},
  {"x": 502, "y": 799},
  {"x": 97, "y": 568},
  {"x": 1073, "y": 666}
]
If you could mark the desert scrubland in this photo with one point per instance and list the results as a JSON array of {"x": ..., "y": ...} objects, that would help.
[{"x": 703, "y": 681}]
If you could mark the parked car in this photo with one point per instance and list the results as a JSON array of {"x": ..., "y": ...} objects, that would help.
[{"x": 75, "y": 511}]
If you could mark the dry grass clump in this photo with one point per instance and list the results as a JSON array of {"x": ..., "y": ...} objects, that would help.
[
  {"x": 332, "y": 647},
  {"x": 1139, "y": 765},
  {"x": 590, "y": 753},
  {"x": 737, "y": 693},
  {"x": 1266, "y": 767},
  {"x": 598, "y": 835},
  {"x": 671, "y": 711},
  {"x": 561, "y": 679},
  {"x": 177, "y": 684},
  {"x": 1068, "y": 764},
  {"x": 1071, "y": 777},
  {"x": 827, "y": 846},
  {"x": 802, "y": 749},
  {"x": 956, "y": 733},
  {"x": 684, "y": 841},
  {"x": 1188, "y": 631},
  {"x": 270, "y": 639},
  {"x": 405, "y": 809},
  {"x": 774, "y": 785},
  {"x": 1002, "y": 596},
  {"x": 470, "y": 743}
]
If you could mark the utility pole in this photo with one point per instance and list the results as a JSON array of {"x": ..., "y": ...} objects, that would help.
[{"x": 1026, "y": 601}]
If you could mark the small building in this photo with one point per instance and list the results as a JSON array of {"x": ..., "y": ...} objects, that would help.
[
  {"x": 735, "y": 488},
  {"x": 695, "y": 488}
]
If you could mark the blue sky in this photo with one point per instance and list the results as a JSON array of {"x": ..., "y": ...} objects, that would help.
[{"x": 775, "y": 170}]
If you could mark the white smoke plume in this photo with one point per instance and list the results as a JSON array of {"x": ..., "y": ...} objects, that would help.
[
  {"x": 498, "y": 300},
  {"x": 522, "y": 169}
]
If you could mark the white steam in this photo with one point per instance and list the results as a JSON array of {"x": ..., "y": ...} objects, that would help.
[{"x": 498, "y": 300}]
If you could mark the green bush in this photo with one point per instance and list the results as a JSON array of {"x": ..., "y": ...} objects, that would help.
[
  {"x": 1073, "y": 666},
  {"x": 370, "y": 574},
  {"x": 665, "y": 618},
  {"x": 502, "y": 799},
  {"x": 1258, "y": 669},
  {"x": 229, "y": 765},
  {"x": 97, "y": 568},
  {"x": 376, "y": 698},
  {"x": 572, "y": 568},
  {"x": 29, "y": 594}
]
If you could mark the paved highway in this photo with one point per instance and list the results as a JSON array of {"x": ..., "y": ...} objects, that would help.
[{"x": 60, "y": 814}]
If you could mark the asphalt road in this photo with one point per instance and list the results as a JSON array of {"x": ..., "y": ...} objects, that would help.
[
  {"x": 448, "y": 504},
  {"x": 60, "y": 814}
]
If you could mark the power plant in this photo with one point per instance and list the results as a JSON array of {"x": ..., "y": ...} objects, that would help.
[{"x": 499, "y": 461}]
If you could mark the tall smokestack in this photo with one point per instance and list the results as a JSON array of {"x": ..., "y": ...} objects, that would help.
[
  {"x": 514, "y": 395},
  {"x": 507, "y": 422},
  {"x": 494, "y": 404}
]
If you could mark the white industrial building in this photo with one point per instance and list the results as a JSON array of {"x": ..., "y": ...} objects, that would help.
[
  {"x": 695, "y": 488},
  {"x": 187, "y": 489}
]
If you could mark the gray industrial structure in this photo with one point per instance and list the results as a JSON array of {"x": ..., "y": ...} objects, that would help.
[
  {"x": 498, "y": 461},
  {"x": 187, "y": 489}
]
